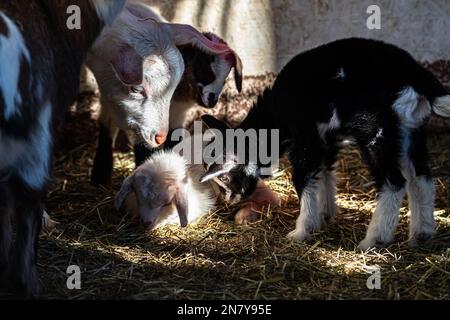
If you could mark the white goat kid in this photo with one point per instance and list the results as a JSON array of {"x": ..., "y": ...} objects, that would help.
[{"x": 166, "y": 187}]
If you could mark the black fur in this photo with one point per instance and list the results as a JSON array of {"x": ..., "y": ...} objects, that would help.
[{"x": 103, "y": 161}]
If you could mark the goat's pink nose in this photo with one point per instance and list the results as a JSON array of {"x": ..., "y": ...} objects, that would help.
[{"x": 160, "y": 138}]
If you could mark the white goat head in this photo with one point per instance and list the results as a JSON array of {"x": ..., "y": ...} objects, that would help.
[
  {"x": 159, "y": 188},
  {"x": 138, "y": 67}
]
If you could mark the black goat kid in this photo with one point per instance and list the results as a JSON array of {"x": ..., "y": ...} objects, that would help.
[{"x": 373, "y": 93}]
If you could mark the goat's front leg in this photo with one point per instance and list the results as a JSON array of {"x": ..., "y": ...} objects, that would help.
[
  {"x": 391, "y": 190},
  {"x": 305, "y": 166},
  {"x": 103, "y": 161}
]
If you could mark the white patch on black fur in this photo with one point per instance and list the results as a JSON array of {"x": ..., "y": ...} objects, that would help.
[
  {"x": 12, "y": 50},
  {"x": 221, "y": 69},
  {"x": 340, "y": 74},
  {"x": 309, "y": 219},
  {"x": 326, "y": 196},
  {"x": 227, "y": 191},
  {"x": 384, "y": 219},
  {"x": 333, "y": 124},
  {"x": 421, "y": 194},
  {"x": 442, "y": 106},
  {"x": 34, "y": 165},
  {"x": 377, "y": 138},
  {"x": 412, "y": 109},
  {"x": 30, "y": 159}
]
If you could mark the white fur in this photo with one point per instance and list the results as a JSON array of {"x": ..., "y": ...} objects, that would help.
[
  {"x": 163, "y": 69},
  {"x": 411, "y": 108},
  {"x": 421, "y": 192},
  {"x": 377, "y": 137},
  {"x": 309, "y": 219},
  {"x": 326, "y": 196},
  {"x": 333, "y": 124},
  {"x": 12, "y": 50},
  {"x": 221, "y": 70},
  {"x": 384, "y": 219},
  {"x": 107, "y": 10},
  {"x": 169, "y": 164},
  {"x": 30, "y": 159},
  {"x": 442, "y": 106},
  {"x": 341, "y": 73}
]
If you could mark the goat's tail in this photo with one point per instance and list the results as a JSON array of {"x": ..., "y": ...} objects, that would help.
[
  {"x": 428, "y": 85},
  {"x": 441, "y": 106}
]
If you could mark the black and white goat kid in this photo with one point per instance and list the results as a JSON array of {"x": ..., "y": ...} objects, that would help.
[{"x": 372, "y": 92}]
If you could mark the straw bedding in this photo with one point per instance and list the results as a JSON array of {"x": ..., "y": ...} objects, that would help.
[{"x": 216, "y": 259}]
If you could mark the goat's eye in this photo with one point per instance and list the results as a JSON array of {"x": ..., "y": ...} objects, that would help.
[
  {"x": 224, "y": 179},
  {"x": 137, "y": 90}
]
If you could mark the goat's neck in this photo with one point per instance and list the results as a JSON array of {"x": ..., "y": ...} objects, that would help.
[
  {"x": 264, "y": 115},
  {"x": 261, "y": 115}
]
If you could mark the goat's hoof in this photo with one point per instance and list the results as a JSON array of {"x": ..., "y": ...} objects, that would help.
[
  {"x": 29, "y": 288},
  {"x": 329, "y": 215},
  {"x": 420, "y": 239},
  {"x": 327, "y": 219},
  {"x": 371, "y": 244},
  {"x": 34, "y": 290},
  {"x": 246, "y": 215},
  {"x": 299, "y": 235},
  {"x": 47, "y": 223}
]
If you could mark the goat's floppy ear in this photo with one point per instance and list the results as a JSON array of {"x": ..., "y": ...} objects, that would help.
[
  {"x": 182, "y": 205},
  {"x": 128, "y": 65},
  {"x": 183, "y": 34},
  {"x": 125, "y": 189},
  {"x": 238, "y": 72}
]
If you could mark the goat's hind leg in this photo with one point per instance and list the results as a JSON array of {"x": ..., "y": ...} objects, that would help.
[
  {"x": 383, "y": 157},
  {"x": 6, "y": 232},
  {"x": 305, "y": 166},
  {"x": 421, "y": 191},
  {"x": 28, "y": 213}
]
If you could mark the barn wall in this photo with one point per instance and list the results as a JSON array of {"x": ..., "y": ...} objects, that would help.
[{"x": 268, "y": 33}]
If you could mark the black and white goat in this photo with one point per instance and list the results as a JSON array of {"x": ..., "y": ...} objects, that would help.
[
  {"x": 372, "y": 92},
  {"x": 40, "y": 60},
  {"x": 138, "y": 66}
]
